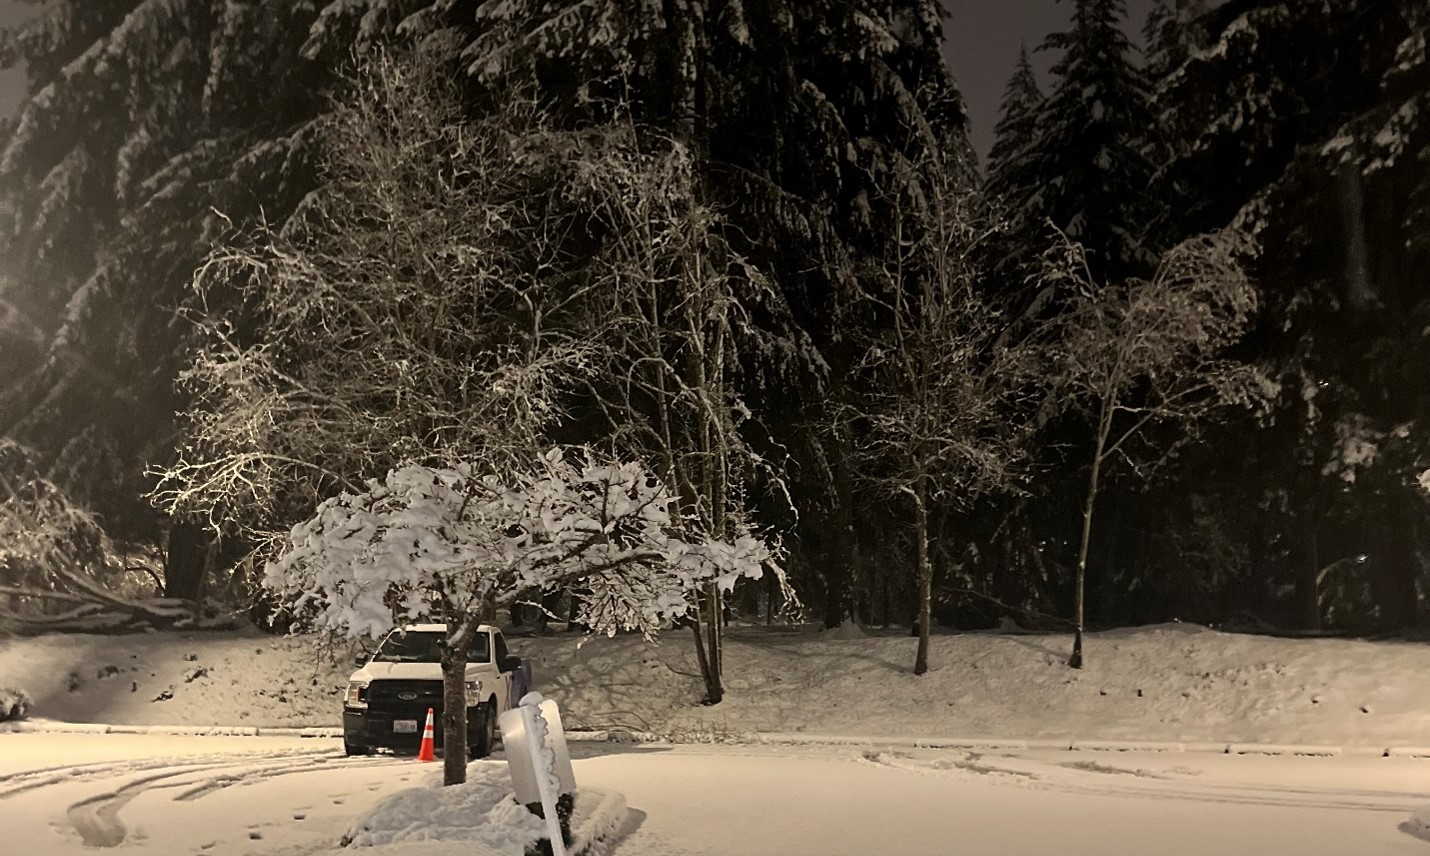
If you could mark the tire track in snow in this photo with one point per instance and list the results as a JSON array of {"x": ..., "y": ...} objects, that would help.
[
  {"x": 26, "y": 780},
  {"x": 315, "y": 765},
  {"x": 97, "y": 818},
  {"x": 1098, "y": 781}
]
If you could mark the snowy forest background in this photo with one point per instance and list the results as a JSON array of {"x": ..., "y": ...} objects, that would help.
[{"x": 257, "y": 252}]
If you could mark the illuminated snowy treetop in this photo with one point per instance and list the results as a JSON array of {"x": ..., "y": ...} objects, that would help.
[{"x": 457, "y": 540}]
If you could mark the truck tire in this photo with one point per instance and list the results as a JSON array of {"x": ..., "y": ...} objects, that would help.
[
  {"x": 486, "y": 732},
  {"x": 350, "y": 750}
]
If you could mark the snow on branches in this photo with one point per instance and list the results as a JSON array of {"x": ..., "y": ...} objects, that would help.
[{"x": 459, "y": 540}]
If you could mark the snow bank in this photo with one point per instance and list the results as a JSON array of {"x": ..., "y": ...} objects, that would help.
[
  {"x": 1176, "y": 684},
  {"x": 1419, "y": 823},
  {"x": 481, "y": 812},
  {"x": 481, "y": 816}
]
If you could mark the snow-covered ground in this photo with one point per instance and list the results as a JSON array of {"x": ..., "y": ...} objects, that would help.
[
  {"x": 171, "y": 794},
  {"x": 69, "y": 794},
  {"x": 1164, "y": 683}
]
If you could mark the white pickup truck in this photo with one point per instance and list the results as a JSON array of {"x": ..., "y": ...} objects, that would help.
[{"x": 388, "y": 696}]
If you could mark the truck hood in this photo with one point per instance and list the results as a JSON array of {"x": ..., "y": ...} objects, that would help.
[{"x": 415, "y": 672}]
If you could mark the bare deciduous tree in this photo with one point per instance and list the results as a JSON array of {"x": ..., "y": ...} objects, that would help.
[
  {"x": 945, "y": 410},
  {"x": 689, "y": 317},
  {"x": 1151, "y": 352},
  {"x": 457, "y": 285},
  {"x": 411, "y": 310}
]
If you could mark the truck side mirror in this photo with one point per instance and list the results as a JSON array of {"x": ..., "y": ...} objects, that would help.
[
  {"x": 510, "y": 663},
  {"x": 359, "y": 660}
]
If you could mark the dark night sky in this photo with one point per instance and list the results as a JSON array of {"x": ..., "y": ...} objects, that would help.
[{"x": 981, "y": 47}]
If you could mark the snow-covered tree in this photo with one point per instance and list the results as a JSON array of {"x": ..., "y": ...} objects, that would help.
[
  {"x": 1089, "y": 173},
  {"x": 61, "y": 572},
  {"x": 1147, "y": 354},
  {"x": 1011, "y": 181},
  {"x": 793, "y": 114},
  {"x": 942, "y": 410},
  {"x": 692, "y": 326},
  {"x": 413, "y": 309},
  {"x": 1311, "y": 116},
  {"x": 454, "y": 542},
  {"x": 140, "y": 115},
  {"x": 1172, "y": 32},
  {"x": 1015, "y": 135}
]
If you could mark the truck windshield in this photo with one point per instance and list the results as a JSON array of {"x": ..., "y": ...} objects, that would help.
[{"x": 421, "y": 647}]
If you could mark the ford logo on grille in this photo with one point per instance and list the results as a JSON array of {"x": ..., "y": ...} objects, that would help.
[{"x": 407, "y": 696}]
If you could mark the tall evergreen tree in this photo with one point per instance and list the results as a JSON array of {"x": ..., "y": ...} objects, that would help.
[
  {"x": 1089, "y": 171},
  {"x": 800, "y": 114},
  {"x": 143, "y": 116},
  {"x": 1015, "y": 135},
  {"x": 147, "y": 116},
  {"x": 1310, "y": 117},
  {"x": 1172, "y": 32}
]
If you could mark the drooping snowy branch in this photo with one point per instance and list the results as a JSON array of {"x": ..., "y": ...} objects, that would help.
[{"x": 465, "y": 538}]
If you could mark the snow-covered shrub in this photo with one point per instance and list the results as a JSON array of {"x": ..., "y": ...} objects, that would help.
[{"x": 15, "y": 704}]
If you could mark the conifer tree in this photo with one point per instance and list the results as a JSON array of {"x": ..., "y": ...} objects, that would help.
[
  {"x": 1310, "y": 116},
  {"x": 1089, "y": 172},
  {"x": 1172, "y": 32},
  {"x": 143, "y": 117},
  {"x": 1015, "y": 135}
]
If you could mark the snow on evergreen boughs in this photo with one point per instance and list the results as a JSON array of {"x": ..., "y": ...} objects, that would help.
[
  {"x": 1088, "y": 173},
  {"x": 1015, "y": 134},
  {"x": 479, "y": 539}
]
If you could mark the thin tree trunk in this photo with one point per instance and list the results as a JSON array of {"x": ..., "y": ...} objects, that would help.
[
  {"x": 921, "y": 659},
  {"x": 1075, "y": 661},
  {"x": 1306, "y": 554},
  {"x": 1360, "y": 293},
  {"x": 771, "y": 592},
  {"x": 714, "y": 692},
  {"x": 716, "y": 650},
  {"x": 1398, "y": 569}
]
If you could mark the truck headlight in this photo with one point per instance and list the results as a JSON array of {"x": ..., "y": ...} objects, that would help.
[
  {"x": 474, "y": 693},
  {"x": 356, "y": 695}
]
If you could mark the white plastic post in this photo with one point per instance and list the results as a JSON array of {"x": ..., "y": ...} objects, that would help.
[
  {"x": 543, "y": 761},
  {"x": 556, "y": 742}
]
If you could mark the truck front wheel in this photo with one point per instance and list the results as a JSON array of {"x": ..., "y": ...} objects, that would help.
[{"x": 483, "y": 740}]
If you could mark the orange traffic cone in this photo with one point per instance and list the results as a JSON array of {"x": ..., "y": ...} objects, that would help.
[{"x": 428, "y": 750}]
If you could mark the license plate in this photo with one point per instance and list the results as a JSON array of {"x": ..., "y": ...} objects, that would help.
[{"x": 404, "y": 726}]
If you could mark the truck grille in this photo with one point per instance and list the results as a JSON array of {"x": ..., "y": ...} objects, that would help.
[{"x": 404, "y": 695}]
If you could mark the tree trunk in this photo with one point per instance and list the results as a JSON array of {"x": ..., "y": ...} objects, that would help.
[
  {"x": 714, "y": 692},
  {"x": 921, "y": 659},
  {"x": 839, "y": 577},
  {"x": 1360, "y": 293},
  {"x": 460, "y": 630},
  {"x": 1075, "y": 661},
  {"x": 1306, "y": 555},
  {"x": 185, "y": 561},
  {"x": 1397, "y": 569},
  {"x": 772, "y": 591},
  {"x": 716, "y": 645}
]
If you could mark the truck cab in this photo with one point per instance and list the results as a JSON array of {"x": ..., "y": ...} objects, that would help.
[{"x": 385, "y": 706}]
